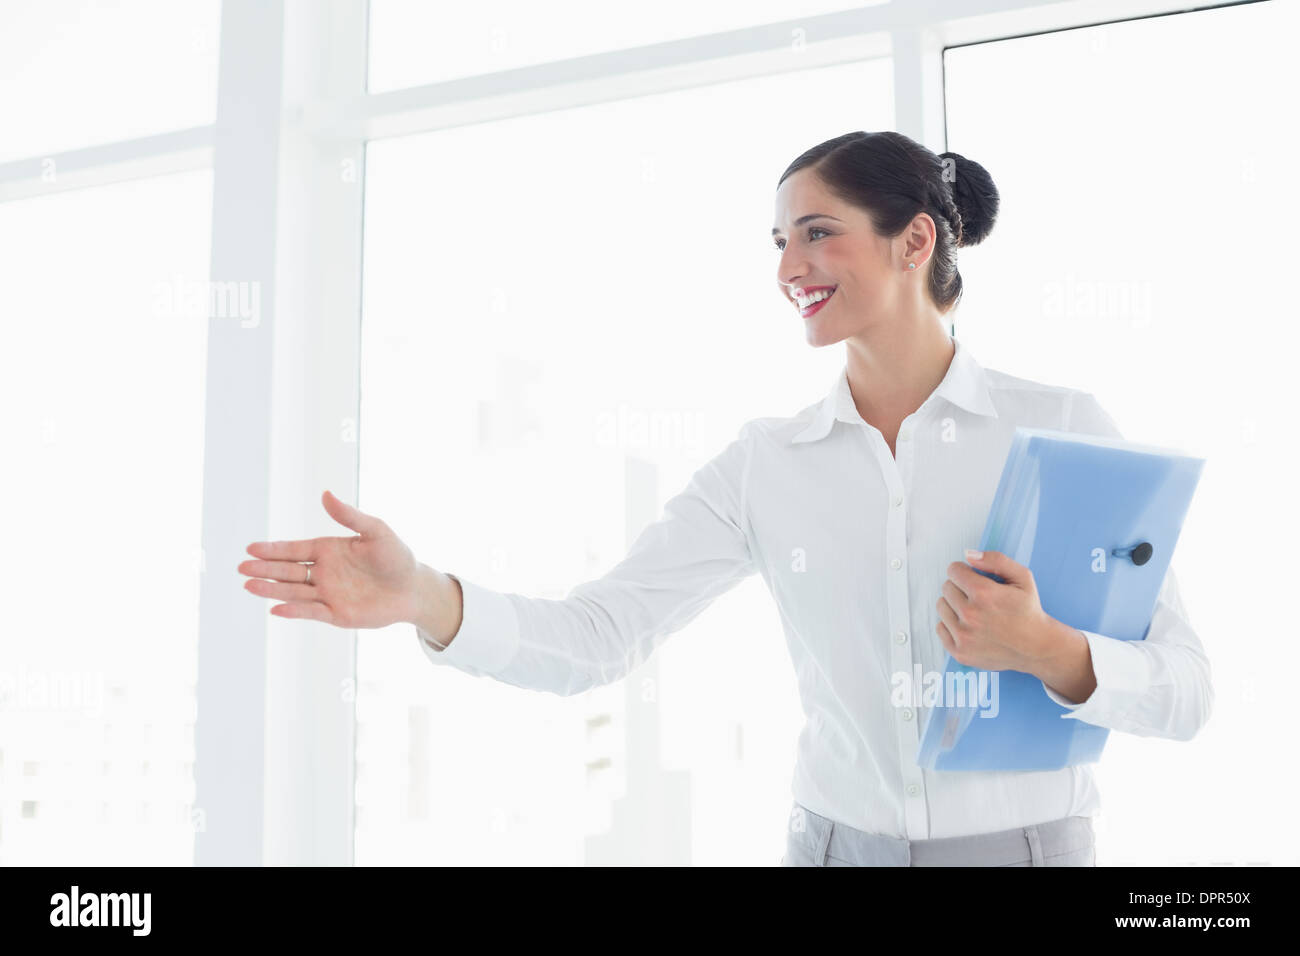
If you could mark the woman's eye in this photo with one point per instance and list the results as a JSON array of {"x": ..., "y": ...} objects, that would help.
[{"x": 780, "y": 243}]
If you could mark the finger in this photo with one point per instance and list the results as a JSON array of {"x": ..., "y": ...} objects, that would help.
[
  {"x": 946, "y": 638},
  {"x": 965, "y": 578},
  {"x": 957, "y": 599},
  {"x": 281, "y": 592},
  {"x": 309, "y": 610},
  {"x": 948, "y": 616},
  {"x": 348, "y": 516},
  {"x": 275, "y": 570},
  {"x": 285, "y": 550},
  {"x": 1011, "y": 571}
]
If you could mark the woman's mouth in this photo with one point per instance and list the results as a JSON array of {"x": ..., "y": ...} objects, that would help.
[{"x": 820, "y": 297}]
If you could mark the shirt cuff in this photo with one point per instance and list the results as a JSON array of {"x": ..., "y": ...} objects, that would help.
[
  {"x": 1122, "y": 672},
  {"x": 488, "y": 638}
]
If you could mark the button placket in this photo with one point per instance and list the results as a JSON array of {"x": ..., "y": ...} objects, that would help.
[{"x": 906, "y": 732}]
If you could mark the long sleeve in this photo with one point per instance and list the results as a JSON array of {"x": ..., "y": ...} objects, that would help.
[
  {"x": 696, "y": 551},
  {"x": 1157, "y": 687}
]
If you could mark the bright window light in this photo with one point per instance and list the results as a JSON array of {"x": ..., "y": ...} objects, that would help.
[
  {"x": 78, "y": 73},
  {"x": 561, "y": 311},
  {"x": 1136, "y": 257},
  {"x": 103, "y": 374},
  {"x": 414, "y": 42}
]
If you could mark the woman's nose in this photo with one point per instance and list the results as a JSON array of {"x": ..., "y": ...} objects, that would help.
[
  {"x": 790, "y": 270},
  {"x": 789, "y": 283}
]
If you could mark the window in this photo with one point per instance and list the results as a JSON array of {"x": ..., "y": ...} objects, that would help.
[
  {"x": 103, "y": 367},
  {"x": 413, "y": 43},
  {"x": 564, "y": 315},
  {"x": 80, "y": 73},
  {"x": 568, "y": 306},
  {"x": 1135, "y": 257}
]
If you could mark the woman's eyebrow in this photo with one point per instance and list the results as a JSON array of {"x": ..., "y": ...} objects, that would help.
[{"x": 811, "y": 216}]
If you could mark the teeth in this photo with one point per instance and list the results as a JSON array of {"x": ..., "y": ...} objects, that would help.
[{"x": 816, "y": 297}]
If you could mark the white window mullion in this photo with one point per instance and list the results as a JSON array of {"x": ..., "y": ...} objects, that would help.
[
  {"x": 311, "y": 667},
  {"x": 231, "y": 721},
  {"x": 274, "y": 761},
  {"x": 918, "y": 89},
  {"x": 175, "y": 152}
]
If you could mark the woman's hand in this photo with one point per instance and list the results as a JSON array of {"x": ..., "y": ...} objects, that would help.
[
  {"x": 993, "y": 626},
  {"x": 370, "y": 580}
]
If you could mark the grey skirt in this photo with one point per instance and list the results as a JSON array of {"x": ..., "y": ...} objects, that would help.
[{"x": 814, "y": 840}]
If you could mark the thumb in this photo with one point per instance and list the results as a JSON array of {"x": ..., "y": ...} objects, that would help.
[
  {"x": 348, "y": 516},
  {"x": 995, "y": 562}
]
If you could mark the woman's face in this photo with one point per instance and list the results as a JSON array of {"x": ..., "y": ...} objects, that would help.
[{"x": 839, "y": 250}]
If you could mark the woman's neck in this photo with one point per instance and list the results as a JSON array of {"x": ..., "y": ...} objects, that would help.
[{"x": 892, "y": 374}]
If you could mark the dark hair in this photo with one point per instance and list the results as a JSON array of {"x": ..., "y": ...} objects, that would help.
[{"x": 894, "y": 178}]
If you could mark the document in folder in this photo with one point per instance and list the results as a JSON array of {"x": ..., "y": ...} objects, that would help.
[{"x": 1096, "y": 521}]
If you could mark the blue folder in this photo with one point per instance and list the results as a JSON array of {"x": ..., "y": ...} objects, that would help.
[{"x": 1096, "y": 520}]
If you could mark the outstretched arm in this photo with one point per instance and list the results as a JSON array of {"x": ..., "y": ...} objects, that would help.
[{"x": 696, "y": 551}]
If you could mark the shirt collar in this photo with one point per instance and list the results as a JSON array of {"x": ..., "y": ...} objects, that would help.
[{"x": 964, "y": 385}]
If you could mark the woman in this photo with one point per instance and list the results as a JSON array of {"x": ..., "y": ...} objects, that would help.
[{"x": 855, "y": 511}]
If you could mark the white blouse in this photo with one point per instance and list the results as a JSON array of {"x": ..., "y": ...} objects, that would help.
[{"x": 854, "y": 546}]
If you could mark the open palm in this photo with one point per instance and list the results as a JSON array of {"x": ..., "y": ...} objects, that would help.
[{"x": 368, "y": 580}]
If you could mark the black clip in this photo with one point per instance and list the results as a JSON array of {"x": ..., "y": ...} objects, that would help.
[{"x": 1139, "y": 554}]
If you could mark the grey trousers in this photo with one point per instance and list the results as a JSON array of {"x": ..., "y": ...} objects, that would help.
[{"x": 814, "y": 840}]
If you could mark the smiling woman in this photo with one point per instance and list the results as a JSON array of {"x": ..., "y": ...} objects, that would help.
[
  {"x": 868, "y": 226},
  {"x": 864, "y": 190},
  {"x": 852, "y": 511}
]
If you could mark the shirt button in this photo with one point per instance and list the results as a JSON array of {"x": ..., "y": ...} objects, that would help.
[
  {"x": 900, "y": 637},
  {"x": 904, "y": 435},
  {"x": 896, "y": 564},
  {"x": 907, "y": 713},
  {"x": 913, "y": 789},
  {"x": 898, "y": 501}
]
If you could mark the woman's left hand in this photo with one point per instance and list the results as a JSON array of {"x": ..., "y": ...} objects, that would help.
[{"x": 992, "y": 626}]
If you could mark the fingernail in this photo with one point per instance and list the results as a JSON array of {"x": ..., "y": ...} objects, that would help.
[{"x": 973, "y": 555}]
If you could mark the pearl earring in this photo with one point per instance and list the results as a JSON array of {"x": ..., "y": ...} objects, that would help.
[{"x": 911, "y": 265}]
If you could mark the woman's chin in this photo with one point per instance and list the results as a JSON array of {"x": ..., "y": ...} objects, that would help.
[{"x": 819, "y": 336}]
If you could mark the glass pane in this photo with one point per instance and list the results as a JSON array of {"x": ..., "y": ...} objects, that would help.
[
  {"x": 103, "y": 372},
  {"x": 413, "y": 42},
  {"x": 77, "y": 73},
  {"x": 1136, "y": 256},
  {"x": 562, "y": 334}
]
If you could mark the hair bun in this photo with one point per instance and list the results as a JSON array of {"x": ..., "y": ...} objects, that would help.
[{"x": 975, "y": 197}]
